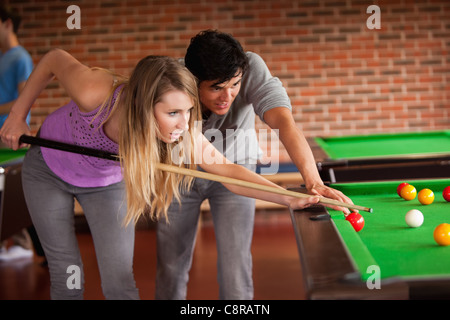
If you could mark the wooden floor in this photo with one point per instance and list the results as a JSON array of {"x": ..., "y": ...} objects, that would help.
[{"x": 276, "y": 266}]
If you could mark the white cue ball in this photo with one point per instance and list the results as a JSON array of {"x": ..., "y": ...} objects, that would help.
[{"x": 414, "y": 218}]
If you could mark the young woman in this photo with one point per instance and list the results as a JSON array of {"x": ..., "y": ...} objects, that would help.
[{"x": 143, "y": 119}]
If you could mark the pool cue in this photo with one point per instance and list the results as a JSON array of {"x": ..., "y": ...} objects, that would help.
[
  {"x": 188, "y": 172},
  {"x": 252, "y": 185},
  {"x": 68, "y": 147}
]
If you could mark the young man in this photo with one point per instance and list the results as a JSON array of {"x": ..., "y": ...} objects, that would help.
[
  {"x": 15, "y": 62},
  {"x": 15, "y": 68},
  {"x": 233, "y": 87}
]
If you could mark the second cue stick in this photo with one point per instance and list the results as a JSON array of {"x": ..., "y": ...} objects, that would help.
[{"x": 188, "y": 172}]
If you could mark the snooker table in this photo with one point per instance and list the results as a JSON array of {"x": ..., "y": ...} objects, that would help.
[
  {"x": 335, "y": 258},
  {"x": 383, "y": 156},
  {"x": 14, "y": 214}
]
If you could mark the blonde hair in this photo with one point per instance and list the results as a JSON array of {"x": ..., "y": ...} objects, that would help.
[{"x": 149, "y": 190}]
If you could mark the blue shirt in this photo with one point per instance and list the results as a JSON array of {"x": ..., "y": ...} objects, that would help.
[{"x": 15, "y": 67}]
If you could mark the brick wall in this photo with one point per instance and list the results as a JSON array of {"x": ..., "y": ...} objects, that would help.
[{"x": 343, "y": 78}]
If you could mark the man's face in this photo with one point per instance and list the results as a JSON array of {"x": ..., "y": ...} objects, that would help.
[
  {"x": 218, "y": 97},
  {"x": 3, "y": 33},
  {"x": 6, "y": 28}
]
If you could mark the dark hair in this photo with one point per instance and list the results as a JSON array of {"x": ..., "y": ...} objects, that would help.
[
  {"x": 214, "y": 55},
  {"x": 8, "y": 13}
]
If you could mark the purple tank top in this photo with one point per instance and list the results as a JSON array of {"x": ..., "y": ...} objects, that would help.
[{"x": 69, "y": 125}]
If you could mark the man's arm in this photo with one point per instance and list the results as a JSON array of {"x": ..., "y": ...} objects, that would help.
[
  {"x": 223, "y": 167},
  {"x": 294, "y": 141}
]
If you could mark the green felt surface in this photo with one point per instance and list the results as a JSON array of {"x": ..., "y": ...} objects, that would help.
[
  {"x": 386, "y": 145},
  {"x": 9, "y": 155},
  {"x": 386, "y": 240}
]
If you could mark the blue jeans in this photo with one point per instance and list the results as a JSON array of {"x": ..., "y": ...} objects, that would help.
[
  {"x": 50, "y": 202},
  {"x": 233, "y": 218}
]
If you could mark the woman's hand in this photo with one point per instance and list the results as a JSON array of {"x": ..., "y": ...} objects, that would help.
[
  {"x": 11, "y": 131},
  {"x": 301, "y": 203}
]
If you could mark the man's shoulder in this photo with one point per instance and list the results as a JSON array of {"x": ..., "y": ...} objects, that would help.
[
  {"x": 17, "y": 54},
  {"x": 19, "y": 50},
  {"x": 253, "y": 55},
  {"x": 255, "y": 61}
]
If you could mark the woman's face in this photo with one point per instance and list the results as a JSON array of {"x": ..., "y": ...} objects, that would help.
[{"x": 172, "y": 114}]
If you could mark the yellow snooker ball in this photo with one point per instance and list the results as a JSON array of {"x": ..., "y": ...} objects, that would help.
[
  {"x": 408, "y": 192},
  {"x": 442, "y": 234},
  {"x": 425, "y": 196}
]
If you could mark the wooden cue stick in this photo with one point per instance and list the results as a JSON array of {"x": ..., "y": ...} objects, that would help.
[
  {"x": 188, "y": 172},
  {"x": 252, "y": 185}
]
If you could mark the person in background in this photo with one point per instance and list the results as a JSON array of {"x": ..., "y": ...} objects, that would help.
[
  {"x": 233, "y": 86},
  {"x": 15, "y": 68}
]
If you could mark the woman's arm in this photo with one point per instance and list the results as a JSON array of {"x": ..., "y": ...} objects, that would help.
[
  {"x": 218, "y": 164},
  {"x": 87, "y": 87}
]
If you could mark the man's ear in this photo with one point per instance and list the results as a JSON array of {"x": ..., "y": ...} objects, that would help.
[{"x": 8, "y": 24}]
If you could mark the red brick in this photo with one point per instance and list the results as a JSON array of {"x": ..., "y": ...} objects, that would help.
[{"x": 321, "y": 51}]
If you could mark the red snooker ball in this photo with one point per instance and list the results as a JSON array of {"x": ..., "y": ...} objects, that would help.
[
  {"x": 400, "y": 186},
  {"x": 356, "y": 220},
  {"x": 446, "y": 193}
]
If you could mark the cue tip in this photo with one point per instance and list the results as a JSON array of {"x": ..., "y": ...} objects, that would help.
[{"x": 370, "y": 210}]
